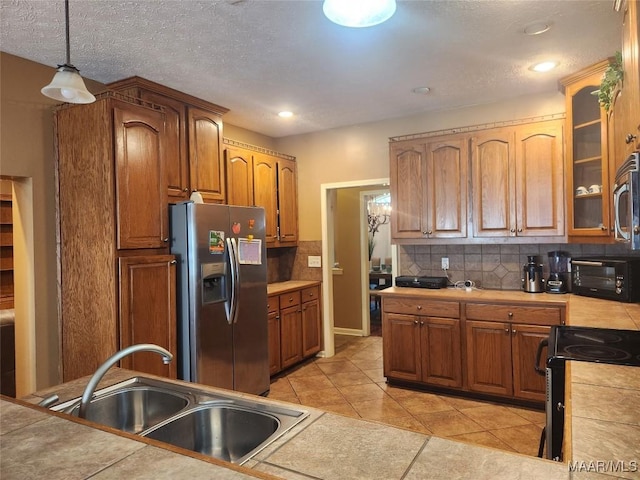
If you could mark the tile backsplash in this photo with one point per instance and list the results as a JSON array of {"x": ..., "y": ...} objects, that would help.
[
  {"x": 290, "y": 263},
  {"x": 490, "y": 266}
]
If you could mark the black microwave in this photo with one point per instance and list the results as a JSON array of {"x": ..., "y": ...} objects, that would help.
[{"x": 611, "y": 278}]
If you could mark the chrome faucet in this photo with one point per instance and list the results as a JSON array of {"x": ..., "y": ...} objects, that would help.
[{"x": 110, "y": 362}]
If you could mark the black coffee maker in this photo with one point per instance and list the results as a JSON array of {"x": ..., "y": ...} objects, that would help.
[
  {"x": 559, "y": 272},
  {"x": 532, "y": 280}
]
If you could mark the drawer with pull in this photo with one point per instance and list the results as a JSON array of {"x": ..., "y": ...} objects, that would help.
[
  {"x": 420, "y": 306},
  {"x": 530, "y": 314}
]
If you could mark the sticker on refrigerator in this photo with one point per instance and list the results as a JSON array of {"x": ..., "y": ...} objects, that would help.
[
  {"x": 249, "y": 251},
  {"x": 216, "y": 241}
]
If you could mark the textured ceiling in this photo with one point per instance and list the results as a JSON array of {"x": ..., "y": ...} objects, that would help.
[{"x": 257, "y": 57}]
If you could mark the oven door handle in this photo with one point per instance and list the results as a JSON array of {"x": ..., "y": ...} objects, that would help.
[{"x": 541, "y": 345}]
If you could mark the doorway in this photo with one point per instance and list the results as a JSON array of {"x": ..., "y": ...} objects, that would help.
[{"x": 338, "y": 267}]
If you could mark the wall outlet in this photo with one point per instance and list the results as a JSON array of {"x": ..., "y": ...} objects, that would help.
[
  {"x": 314, "y": 261},
  {"x": 445, "y": 263}
]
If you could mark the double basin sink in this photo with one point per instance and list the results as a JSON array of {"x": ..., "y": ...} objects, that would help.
[{"x": 226, "y": 427}]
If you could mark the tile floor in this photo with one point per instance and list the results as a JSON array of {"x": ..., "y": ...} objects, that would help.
[{"x": 351, "y": 383}]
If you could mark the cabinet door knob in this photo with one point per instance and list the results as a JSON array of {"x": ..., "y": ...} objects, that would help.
[
  {"x": 510, "y": 314},
  {"x": 185, "y": 189},
  {"x": 519, "y": 230},
  {"x": 506, "y": 330},
  {"x": 513, "y": 230},
  {"x": 424, "y": 232},
  {"x": 630, "y": 138},
  {"x": 419, "y": 307},
  {"x": 415, "y": 322},
  {"x": 421, "y": 323},
  {"x": 173, "y": 262},
  {"x": 165, "y": 240},
  {"x": 513, "y": 331}
]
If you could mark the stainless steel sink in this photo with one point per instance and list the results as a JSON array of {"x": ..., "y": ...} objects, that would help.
[
  {"x": 227, "y": 432},
  {"x": 227, "y": 427}
]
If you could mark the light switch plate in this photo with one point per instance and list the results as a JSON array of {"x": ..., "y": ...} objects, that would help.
[{"x": 314, "y": 261}]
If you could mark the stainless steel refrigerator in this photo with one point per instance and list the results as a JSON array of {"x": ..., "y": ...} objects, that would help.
[{"x": 222, "y": 295}]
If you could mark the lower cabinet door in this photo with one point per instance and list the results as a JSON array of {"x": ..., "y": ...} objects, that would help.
[
  {"x": 440, "y": 351},
  {"x": 527, "y": 384},
  {"x": 148, "y": 311},
  {"x": 401, "y": 346},
  {"x": 290, "y": 336},
  {"x": 489, "y": 357},
  {"x": 311, "y": 328}
]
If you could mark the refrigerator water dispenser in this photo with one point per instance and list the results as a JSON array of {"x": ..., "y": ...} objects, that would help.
[{"x": 213, "y": 283}]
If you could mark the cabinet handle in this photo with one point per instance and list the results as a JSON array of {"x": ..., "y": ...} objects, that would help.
[
  {"x": 513, "y": 331},
  {"x": 165, "y": 240},
  {"x": 424, "y": 232},
  {"x": 185, "y": 189},
  {"x": 419, "y": 307},
  {"x": 506, "y": 330},
  {"x": 421, "y": 323},
  {"x": 629, "y": 138},
  {"x": 603, "y": 228},
  {"x": 415, "y": 322},
  {"x": 519, "y": 230},
  {"x": 513, "y": 230},
  {"x": 173, "y": 262},
  {"x": 510, "y": 314}
]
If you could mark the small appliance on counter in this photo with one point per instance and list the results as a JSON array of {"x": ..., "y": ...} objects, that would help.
[
  {"x": 584, "y": 344},
  {"x": 611, "y": 278},
  {"x": 559, "y": 280},
  {"x": 421, "y": 282},
  {"x": 532, "y": 280}
]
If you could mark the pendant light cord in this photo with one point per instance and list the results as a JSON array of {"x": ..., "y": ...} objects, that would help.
[{"x": 66, "y": 17}]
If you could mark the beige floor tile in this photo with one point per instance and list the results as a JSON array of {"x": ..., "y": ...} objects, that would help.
[
  {"x": 343, "y": 408},
  {"x": 314, "y": 382},
  {"x": 338, "y": 367},
  {"x": 362, "y": 393},
  {"x": 494, "y": 416},
  {"x": 368, "y": 364},
  {"x": 459, "y": 402},
  {"x": 424, "y": 403},
  {"x": 375, "y": 374},
  {"x": 408, "y": 422},
  {"x": 522, "y": 439},
  {"x": 281, "y": 386},
  {"x": 537, "y": 417},
  {"x": 379, "y": 409},
  {"x": 319, "y": 398},
  {"x": 349, "y": 378},
  {"x": 448, "y": 423},
  {"x": 305, "y": 370},
  {"x": 483, "y": 438}
]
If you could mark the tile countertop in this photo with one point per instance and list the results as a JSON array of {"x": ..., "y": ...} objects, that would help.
[
  {"x": 35, "y": 443},
  {"x": 284, "y": 287}
]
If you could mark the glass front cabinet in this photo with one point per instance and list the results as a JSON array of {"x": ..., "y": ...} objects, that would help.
[{"x": 587, "y": 160}]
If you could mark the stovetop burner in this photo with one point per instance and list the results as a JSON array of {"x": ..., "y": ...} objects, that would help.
[{"x": 618, "y": 347}]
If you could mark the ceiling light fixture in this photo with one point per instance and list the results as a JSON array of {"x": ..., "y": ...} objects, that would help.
[
  {"x": 359, "y": 13},
  {"x": 421, "y": 90},
  {"x": 67, "y": 84},
  {"x": 543, "y": 66},
  {"x": 537, "y": 28},
  {"x": 285, "y": 114}
]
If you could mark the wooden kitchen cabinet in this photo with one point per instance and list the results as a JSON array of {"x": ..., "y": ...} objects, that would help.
[
  {"x": 517, "y": 181},
  {"x": 428, "y": 188},
  {"x": 290, "y": 329},
  {"x": 295, "y": 327},
  {"x": 311, "y": 321},
  {"x": 420, "y": 347},
  {"x": 194, "y": 160},
  {"x": 148, "y": 310},
  {"x": 108, "y": 209},
  {"x": 273, "y": 321},
  {"x": 587, "y": 157},
  {"x": 501, "y": 348},
  {"x": 265, "y": 179},
  {"x": 625, "y": 114}
]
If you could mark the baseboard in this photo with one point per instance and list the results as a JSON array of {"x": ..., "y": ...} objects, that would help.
[{"x": 348, "y": 331}]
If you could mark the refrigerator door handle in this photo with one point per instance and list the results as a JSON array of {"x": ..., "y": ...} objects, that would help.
[{"x": 233, "y": 263}]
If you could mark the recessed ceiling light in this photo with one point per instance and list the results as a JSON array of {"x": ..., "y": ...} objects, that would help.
[
  {"x": 543, "y": 66},
  {"x": 359, "y": 13},
  {"x": 537, "y": 28},
  {"x": 421, "y": 90},
  {"x": 285, "y": 114}
]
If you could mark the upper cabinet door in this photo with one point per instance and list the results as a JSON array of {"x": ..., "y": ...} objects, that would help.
[
  {"x": 239, "y": 170},
  {"x": 409, "y": 203},
  {"x": 265, "y": 191},
  {"x": 142, "y": 217},
  {"x": 177, "y": 163},
  {"x": 287, "y": 201},
  {"x": 540, "y": 179},
  {"x": 492, "y": 176},
  {"x": 205, "y": 155},
  {"x": 446, "y": 188}
]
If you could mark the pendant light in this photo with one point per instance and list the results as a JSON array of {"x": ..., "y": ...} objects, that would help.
[
  {"x": 359, "y": 13},
  {"x": 67, "y": 84}
]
